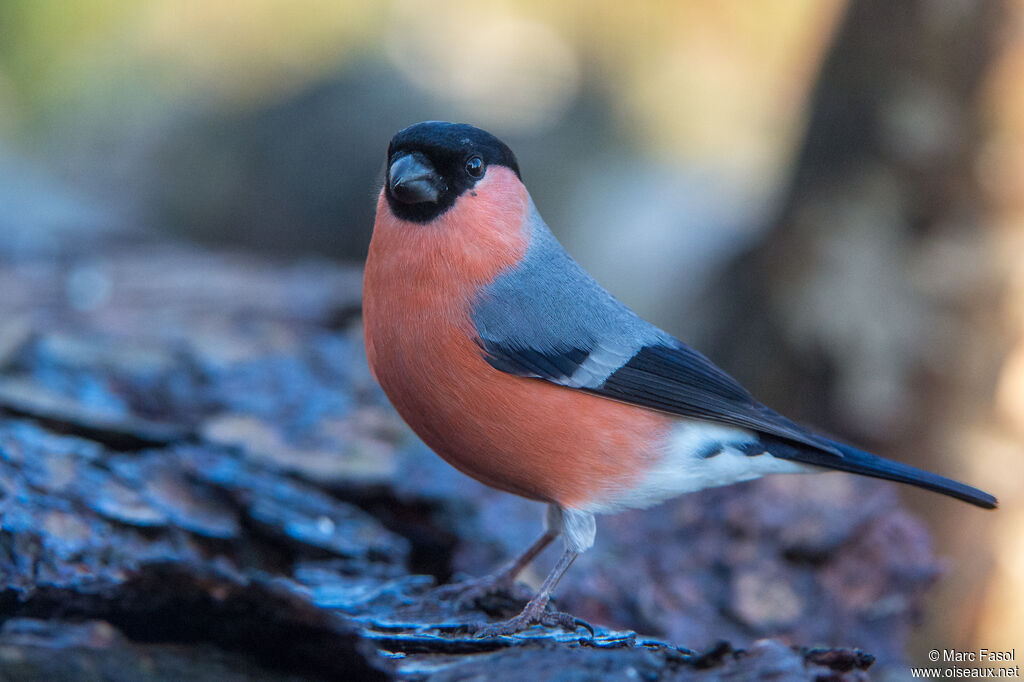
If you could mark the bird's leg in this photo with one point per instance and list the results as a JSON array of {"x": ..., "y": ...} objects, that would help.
[
  {"x": 510, "y": 571},
  {"x": 534, "y": 613},
  {"x": 577, "y": 529},
  {"x": 504, "y": 578}
]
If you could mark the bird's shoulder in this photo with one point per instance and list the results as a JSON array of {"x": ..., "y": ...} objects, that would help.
[{"x": 547, "y": 318}]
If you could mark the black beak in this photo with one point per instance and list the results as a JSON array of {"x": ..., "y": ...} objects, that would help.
[{"x": 413, "y": 180}]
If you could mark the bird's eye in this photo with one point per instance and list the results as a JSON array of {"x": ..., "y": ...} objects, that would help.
[{"x": 475, "y": 166}]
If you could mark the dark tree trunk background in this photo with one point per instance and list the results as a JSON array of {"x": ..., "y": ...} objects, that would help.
[
  {"x": 848, "y": 273},
  {"x": 875, "y": 292}
]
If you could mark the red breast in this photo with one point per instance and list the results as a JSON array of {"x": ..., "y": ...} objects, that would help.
[{"x": 522, "y": 435}]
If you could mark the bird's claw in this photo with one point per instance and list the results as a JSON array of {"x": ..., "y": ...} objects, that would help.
[
  {"x": 526, "y": 620},
  {"x": 580, "y": 623}
]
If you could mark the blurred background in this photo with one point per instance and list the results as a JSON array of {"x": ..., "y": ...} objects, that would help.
[{"x": 825, "y": 196}]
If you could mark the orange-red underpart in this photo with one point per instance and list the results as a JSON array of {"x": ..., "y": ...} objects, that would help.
[{"x": 525, "y": 436}]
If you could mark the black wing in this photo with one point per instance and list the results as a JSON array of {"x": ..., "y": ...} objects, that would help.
[{"x": 670, "y": 378}]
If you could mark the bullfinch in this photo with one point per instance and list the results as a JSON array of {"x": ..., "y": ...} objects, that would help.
[{"x": 519, "y": 369}]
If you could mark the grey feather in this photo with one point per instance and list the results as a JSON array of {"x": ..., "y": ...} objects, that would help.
[
  {"x": 548, "y": 318},
  {"x": 548, "y": 307}
]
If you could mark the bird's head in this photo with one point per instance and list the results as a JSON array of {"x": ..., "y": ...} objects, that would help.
[{"x": 432, "y": 164}]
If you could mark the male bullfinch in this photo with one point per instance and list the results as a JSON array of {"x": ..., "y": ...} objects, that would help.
[{"x": 516, "y": 367}]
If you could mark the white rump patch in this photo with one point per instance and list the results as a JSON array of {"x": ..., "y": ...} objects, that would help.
[{"x": 686, "y": 467}]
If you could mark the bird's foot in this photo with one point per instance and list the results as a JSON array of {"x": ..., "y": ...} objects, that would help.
[{"x": 533, "y": 616}]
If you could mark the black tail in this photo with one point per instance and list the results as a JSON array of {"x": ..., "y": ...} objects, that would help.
[{"x": 864, "y": 463}]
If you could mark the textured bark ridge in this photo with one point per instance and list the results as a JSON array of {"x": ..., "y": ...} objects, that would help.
[{"x": 199, "y": 478}]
